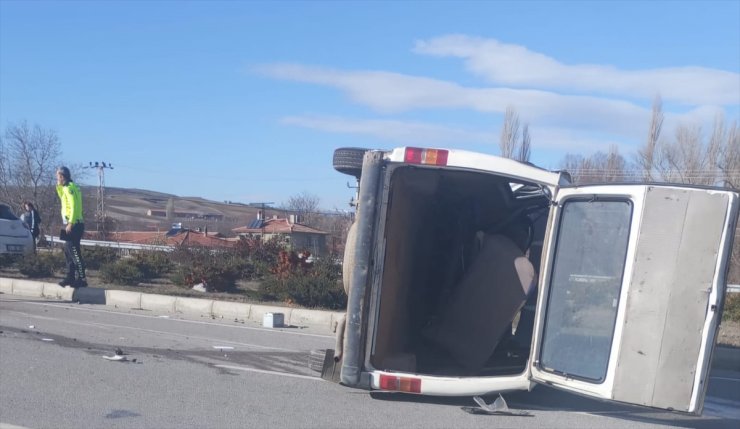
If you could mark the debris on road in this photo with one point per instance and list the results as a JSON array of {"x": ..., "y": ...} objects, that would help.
[
  {"x": 118, "y": 358},
  {"x": 47, "y": 339},
  {"x": 497, "y": 407},
  {"x": 31, "y": 326},
  {"x": 223, "y": 347},
  {"x": 200, "y": 287}
]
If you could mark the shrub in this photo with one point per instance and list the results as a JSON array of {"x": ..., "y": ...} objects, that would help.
[
  {"x": 97, "y": 256},
  {"x": 259, "y": 256},
  {"x": 218, "y": 269},
  {"x": 732, "y": 307},
  {"x": 8, "y": 260},
  {"x": 123, "y": 272},
  {"x": 311, "y": 285},
  {"x": 153, "y": 264},
  {"x": 35, "y": 266}
]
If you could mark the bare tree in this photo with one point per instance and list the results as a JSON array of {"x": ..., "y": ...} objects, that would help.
[
  {"x": 598, "y": 168},
  {"x": 306, "y": 206},
  {"x": 525, "y": 146},
  {"x": 29, "y": 157},
  {"x": 688, "y": 159},
  {"x": 646, "y": 156},
  {"x": 728, "y": 160},
  {"x": 509, "y": 144},
  {"x": 509, "y": 133}
]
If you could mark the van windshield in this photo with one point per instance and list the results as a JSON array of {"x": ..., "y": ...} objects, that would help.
[{"x": 584, "y": 289}]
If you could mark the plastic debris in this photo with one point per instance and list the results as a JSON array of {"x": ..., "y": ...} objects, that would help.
[
  {"x": 497, "y": 407},
  {"x": 223, "y": 347},
  {"x": 200, "y": 287},
  {"x": 31, "y": 326},
  {"x": 118, "y": 358}
]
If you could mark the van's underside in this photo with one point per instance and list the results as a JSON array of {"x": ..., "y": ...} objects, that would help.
[{"x": 456, "y": 294}]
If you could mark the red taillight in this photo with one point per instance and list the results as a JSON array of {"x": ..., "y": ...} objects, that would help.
[
  {"x": 415, "y": 155},
  {"x": 400, "y": 384}
]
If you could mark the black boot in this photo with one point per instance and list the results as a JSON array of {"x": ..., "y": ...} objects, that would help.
[{"x": 66, "y": 282}]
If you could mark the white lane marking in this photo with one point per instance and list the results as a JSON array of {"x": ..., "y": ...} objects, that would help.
[
  {"x": 264, "y": 371},
  {"x": 9, "y": 426},
  {"x": 198, "y": 322},
  {"x": 725, "y": 378},
  {"x": 151, "y": 331}
]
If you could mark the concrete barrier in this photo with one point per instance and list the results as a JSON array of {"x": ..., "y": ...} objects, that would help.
[
  {"x": 28, "y": 288},
  {"x": 195, "y": 306},
  {"x": 154, "y": 302},
  {"x": 6, "y": 285},
  {"x": 123, "y": 299},
  {"x": 300, "y": 317},
  {"x": 53, "y": 290},
  {"x": 231, "y": 310}
]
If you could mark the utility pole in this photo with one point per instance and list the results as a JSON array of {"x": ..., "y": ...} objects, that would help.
[
  {"x": 100, "y": 209},
  {"x": 263, "y": 205}
]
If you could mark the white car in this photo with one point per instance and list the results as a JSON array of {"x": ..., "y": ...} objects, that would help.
[
  {"x": 14, "y": 236},
  {"x": 469, "y": 274}
]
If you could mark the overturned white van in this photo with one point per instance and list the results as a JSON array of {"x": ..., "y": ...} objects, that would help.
[{"x": 470, "y": 274}]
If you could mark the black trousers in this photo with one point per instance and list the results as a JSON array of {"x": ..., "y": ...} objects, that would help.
[{"x": 73, "y": 252}]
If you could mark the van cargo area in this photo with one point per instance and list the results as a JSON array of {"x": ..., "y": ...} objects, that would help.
[{"x": 456, "y": 293}]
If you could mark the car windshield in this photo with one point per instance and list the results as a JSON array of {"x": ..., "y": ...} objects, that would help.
[{"x": 6, "y": 213}]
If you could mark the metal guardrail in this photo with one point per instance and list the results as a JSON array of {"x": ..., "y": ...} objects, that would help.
[
  {"x": 733, "y": 288},
  {"x": 115, "y": 244}
]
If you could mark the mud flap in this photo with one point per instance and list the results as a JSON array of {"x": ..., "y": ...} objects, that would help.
[{"x": 332, "y": 368}]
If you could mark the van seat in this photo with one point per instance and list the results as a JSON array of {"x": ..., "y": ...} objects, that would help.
[{"x": 483, "y": 304}]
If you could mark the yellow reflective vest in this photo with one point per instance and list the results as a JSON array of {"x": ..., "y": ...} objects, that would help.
[{"x": 71, "y": 199}]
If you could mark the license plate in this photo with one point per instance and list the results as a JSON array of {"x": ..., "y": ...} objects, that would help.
[{"x": 15, "y": 247}]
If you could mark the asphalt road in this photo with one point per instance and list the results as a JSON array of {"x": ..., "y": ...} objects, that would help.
[{"x": 204, "y": 373}]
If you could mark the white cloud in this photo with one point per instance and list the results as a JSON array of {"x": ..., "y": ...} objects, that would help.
[
  {"x": 509, "y": 64},
  {"x": 570, "y": 108},
  {"x": 401, "y": 132},
  {"x": 393, "y": 92}
]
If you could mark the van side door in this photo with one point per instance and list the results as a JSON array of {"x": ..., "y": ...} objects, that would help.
[{"x": 631, "y": 291}]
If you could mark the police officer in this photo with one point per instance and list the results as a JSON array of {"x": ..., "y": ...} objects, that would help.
[{"x": 71, "y": 199}]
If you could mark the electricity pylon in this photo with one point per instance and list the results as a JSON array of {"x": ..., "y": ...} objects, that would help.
[{"x": 100, "y": 209}]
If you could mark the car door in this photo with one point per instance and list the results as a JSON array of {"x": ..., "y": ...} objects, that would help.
[{"x": 630, "y": 296}]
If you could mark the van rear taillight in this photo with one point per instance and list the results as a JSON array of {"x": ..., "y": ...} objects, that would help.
[
  {"x": 415, "y": 155},
  {"x": 400, "y": 384}
]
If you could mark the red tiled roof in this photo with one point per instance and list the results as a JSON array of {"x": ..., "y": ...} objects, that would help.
[
  {"x": 159, "y": 238},
  {"x": 278, "y": 226}
]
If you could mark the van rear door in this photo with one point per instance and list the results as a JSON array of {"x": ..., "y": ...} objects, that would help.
[{"x": 631, "y": 292}]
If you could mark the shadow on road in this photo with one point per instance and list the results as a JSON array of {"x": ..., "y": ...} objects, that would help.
[{"x": 544, "y": 398}]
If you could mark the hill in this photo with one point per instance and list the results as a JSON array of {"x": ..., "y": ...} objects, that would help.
[{"x": 143, "y": 210}]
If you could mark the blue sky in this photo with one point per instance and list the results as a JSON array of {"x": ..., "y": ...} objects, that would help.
[{"x": 246, "y": 101}]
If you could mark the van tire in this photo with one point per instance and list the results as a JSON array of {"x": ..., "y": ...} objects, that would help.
[
  {"x": 348, "y": 160},
  {"x": 348, "y": 261},
  {"x": 316, "y": 359}
]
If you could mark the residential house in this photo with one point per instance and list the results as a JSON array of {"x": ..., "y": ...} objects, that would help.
[{"x": 296, "y": 236}]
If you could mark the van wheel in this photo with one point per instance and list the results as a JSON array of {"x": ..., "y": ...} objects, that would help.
[
  {"x": 348, "y": 261},
  {"x": 316, "y": 359},
  {"x": 348, "y": 160}
]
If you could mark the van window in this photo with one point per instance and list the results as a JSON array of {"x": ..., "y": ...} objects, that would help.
[{"x": 584, "y": 291}]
